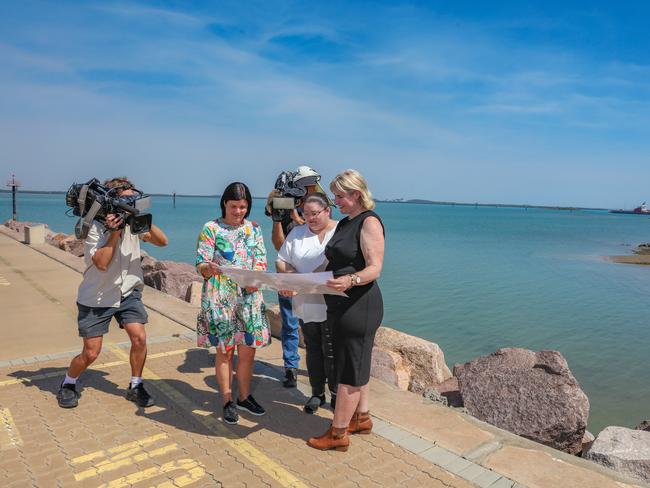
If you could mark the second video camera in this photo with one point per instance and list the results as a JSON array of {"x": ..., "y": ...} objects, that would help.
[{"x": 290, "y": 188}]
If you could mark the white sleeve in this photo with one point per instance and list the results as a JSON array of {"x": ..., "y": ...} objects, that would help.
[
  {"x": 285, "y": 252},
  {"x": 96, "y": 238}
]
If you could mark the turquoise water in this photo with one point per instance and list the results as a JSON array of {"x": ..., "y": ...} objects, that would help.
[{"x": 476, "y": 279}]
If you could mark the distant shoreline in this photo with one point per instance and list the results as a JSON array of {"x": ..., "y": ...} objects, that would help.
[{"x": 400, "y": 201}]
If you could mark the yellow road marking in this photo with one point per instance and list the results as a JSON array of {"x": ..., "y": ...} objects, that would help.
[
  {"x": 58, "y": 372},
  {"x": 9, "y": 435},
  {"x": 117, "y": 449},
  {"x": 126, "y": 459},
  {"x": 254, "y": 455},
  {"x": 194, "y": 472},
  {"x": 202, "y": 413}
]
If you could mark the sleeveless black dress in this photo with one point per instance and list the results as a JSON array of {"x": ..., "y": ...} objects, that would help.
[{"x": 353, "y": 320}]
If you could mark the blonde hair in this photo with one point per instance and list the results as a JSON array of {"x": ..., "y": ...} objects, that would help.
[{"x": 350, "y": 180}]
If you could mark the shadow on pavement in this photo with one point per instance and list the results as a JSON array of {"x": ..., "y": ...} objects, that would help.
[
  {"x": 91, "y": 378},
  {"x": 283, "y": 406}
]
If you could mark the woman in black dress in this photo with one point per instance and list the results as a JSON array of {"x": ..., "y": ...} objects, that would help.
[{"x": 355, "y": 254}]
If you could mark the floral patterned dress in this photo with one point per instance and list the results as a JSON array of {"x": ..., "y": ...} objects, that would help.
[{"x": 229, "y": 314}]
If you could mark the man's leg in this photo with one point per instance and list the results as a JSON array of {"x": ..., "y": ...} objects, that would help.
[
  {"x": 138, "y": 354},
  {"x": 92, "y": 324},
  {"x": 137, "y": 357},
  {"x": 68, "y": 396},
  {"x": 290, "y": 339},
  {"x": 81, "y": 362}
]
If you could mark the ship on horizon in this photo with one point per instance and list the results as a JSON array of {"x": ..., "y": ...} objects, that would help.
[{"x": 640, "y": 210}]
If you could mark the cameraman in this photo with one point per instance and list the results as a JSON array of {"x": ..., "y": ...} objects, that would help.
[
  {"x": 283, "y": 221},
  {"x": 112, "y": 287}
]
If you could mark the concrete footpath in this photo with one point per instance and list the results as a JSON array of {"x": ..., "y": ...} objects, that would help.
[{"x": 109, "y": 442}]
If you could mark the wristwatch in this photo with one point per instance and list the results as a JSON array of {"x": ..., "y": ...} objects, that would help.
[{"x": 355, "y": 280}]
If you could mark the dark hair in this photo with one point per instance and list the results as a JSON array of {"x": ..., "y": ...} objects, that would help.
[
  {"x": 236, "y": 191},
  {"x": 317, "y": 197}
]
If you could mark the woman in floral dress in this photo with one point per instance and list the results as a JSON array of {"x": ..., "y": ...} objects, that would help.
[{"x": 232, "y": 317}]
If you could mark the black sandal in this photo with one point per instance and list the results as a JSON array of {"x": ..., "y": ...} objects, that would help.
[{"x": 314, "y": 403}]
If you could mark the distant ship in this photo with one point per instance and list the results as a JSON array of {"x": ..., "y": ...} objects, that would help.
[{"x": 640, "y": 210}]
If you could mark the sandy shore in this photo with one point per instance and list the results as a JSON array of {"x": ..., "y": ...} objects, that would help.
[{"x": 643, "y": 259}]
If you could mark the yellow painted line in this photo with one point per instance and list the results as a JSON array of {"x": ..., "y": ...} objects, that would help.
[
  {"x": 111, "y": 364},
  {"x": 118, "y": 449},
  {"x": 9, "y": 435},
  {"x": 202, "y": 413},
  {"x": 254, "y": 455},
  {"x": 193, "y": 469},
  {"x": 126, "y": 459}
]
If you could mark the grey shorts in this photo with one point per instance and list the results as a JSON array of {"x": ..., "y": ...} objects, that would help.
[{"x": 94, "y": 321}]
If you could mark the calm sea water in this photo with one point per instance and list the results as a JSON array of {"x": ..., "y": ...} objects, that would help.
[{"x": 477, "y": 279}]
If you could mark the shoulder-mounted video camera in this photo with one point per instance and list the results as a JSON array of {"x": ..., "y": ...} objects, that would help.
[
  {"x": 94, "y": 201},
  {"x": 290, "y": 188}
]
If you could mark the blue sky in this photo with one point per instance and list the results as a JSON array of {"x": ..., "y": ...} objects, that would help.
[{"x": 540, "y": 103}]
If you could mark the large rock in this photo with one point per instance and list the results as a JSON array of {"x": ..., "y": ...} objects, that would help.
[
  {"x": 388, "y": 366},
  {"x": 72, "y": 245},
  {"x": 424, "y": 360},
  {"x": 169, "y": 276},
  {"x": 532, "y": 394},
  {"x": 624, "y": 450}
]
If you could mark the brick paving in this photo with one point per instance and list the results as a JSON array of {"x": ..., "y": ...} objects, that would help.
[{"x": 108, "y": 441}]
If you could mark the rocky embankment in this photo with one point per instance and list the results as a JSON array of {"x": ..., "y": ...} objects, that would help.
[{"x": 531, "y": 394}]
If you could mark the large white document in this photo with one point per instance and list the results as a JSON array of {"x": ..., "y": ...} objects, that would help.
[{"x": 308, "y": 283}]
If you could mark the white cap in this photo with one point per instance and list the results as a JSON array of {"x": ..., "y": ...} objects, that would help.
[{"x": 305, "y": 172}]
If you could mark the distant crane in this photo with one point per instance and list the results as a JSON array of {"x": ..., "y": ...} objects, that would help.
[{"x": 13, "y": 184}]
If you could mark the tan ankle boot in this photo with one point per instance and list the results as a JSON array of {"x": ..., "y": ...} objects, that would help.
[
  {"x": 361, "y": 423},
  {"x": 332, "y": 439}
]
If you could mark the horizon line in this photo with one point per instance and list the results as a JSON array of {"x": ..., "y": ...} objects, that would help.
[{"x": 416, "y": 201}]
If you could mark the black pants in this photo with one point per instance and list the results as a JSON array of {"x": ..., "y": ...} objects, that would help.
[{"x": 320, "y": 356}]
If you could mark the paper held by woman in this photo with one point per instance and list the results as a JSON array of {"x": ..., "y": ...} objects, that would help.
[{"x": 307, "y": 283}]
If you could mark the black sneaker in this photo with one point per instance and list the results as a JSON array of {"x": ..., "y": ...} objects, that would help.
[
  {"x": 290, "y": 378},
  {"x": 314, "y": 403},
  {"x": 68, "y": 396},
  {"x": 139, "y": 396},
  {"x": 230, "y": 415},
  {"x": 333, "y": 401},
  {"x": 251, "y": 406}
]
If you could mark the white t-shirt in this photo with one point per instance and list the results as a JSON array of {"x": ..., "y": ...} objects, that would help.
[
  {"x": 303, "y": 251},
  {"x": 123, "y": 275}
]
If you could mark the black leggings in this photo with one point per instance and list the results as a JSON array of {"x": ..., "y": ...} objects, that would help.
[{"x": 320, "y": 356}]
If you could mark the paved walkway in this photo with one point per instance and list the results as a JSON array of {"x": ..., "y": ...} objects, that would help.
[{"x": 107, "y": 441}]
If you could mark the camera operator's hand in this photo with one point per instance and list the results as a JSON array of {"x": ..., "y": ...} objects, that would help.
[
  {"x": 113, "y": 222},
  {"x": 295, "y": 216}
]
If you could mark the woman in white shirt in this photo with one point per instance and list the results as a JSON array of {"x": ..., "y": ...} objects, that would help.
[{"x": 303, "y": 251}]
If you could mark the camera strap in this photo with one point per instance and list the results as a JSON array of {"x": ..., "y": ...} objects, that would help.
[{"x": 83, "y": 224}]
